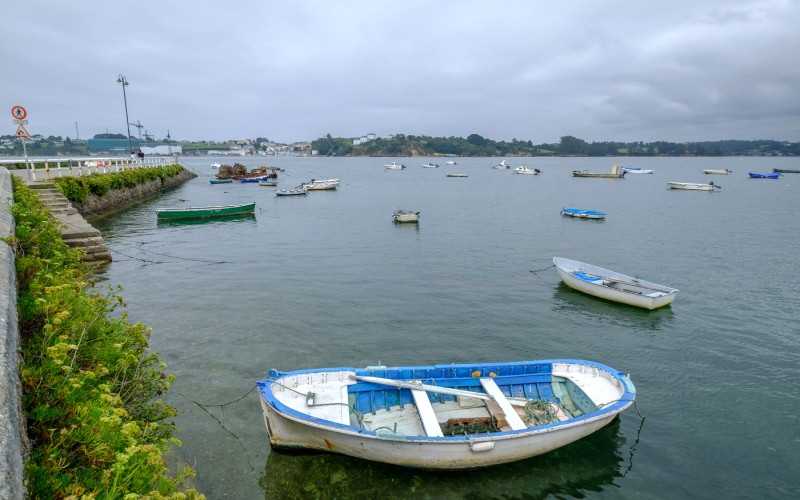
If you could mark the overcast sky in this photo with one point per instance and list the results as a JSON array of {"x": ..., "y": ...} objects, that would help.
[{"x": 294, "y": 70}]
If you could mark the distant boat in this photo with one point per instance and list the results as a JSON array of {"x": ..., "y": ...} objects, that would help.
[
  {"x": 617, "y": 172},
  {"x": 583, "y": 214},
  {"x": 430, "y": 165},
  {"x": 773, "y": 175},
  {"x": 299, "y": 190},
  {"x": 450, "y": 162},
  {"x": 717, "y": 172},
  {"x": 693, "y": 186},
  {"x": 786, "y": 170},
  {"x": 204, "y": 212},
  {"x": 268, "y": 182},
  {"x": 405, "y": 216},
  {"x": 613, "y": 286},
  {"x": 500, "y": 166},
  {"x": 395, "y": 166},
  {"x": 637, "y": 170},
  {"x": 215, "y": 165},
  {"x": 226, "y": 180},
  {"x": 321, "y": 184},
  {"x": 527, "y": 171},
  {"x": 450, "y": 174}
]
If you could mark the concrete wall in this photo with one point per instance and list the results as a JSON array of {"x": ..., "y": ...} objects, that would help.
[{"x": 13, "y": 437}]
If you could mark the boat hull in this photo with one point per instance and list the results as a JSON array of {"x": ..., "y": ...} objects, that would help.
[
  {"x": 716, "y": 172},
  {"x": 786, "y": 170},
  {"x": 583, "y": 214},
  {"x": 204, "y": 212},
  {"x": 288, "y": 428},
  {"x": 406, "y": 217},
  {"x": 613, "y": 286},
  {"x": 691, "y": 186},
  {"x": 773, "y": 175}
]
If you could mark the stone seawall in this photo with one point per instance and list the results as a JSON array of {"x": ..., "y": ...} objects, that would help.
[
  {"x": 119, "y": 198},
  {"x": 13, "y": 438}
]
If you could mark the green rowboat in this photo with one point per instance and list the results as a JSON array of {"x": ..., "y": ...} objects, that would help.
[{"x": 204, "y": 212}]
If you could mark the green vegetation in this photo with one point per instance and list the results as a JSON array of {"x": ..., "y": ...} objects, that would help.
[
  {"x": 78, "y": 189},
  {"x": 90, "y": 387},
  {"x": 475, "y": 145}
]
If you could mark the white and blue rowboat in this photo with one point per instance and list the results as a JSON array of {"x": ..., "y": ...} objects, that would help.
[
  {"x": 613, "y": 286},
  {"x": 583, "y": 214},
  {"x": 638, "y": 170},
  {"x": 450, "y": 416}
]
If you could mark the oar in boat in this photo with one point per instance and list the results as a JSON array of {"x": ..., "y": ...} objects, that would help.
[
  {"x": 409, "y": 384},
  {"x": 631, "y": 283}
]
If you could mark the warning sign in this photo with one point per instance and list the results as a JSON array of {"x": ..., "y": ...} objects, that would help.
[
  {"x": 19, "y": 112},
  {"x": 21, "y": 132}
]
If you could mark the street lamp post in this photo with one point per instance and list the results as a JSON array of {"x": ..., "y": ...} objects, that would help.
[{"x": 124, "y": 82}]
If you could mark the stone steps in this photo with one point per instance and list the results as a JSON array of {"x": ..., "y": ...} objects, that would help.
[{"x": 76, "y": 233}]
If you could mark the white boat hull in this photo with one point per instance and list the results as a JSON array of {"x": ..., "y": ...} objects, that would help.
[
  {"x": 638, "y": 170},
  {"x": 716, "y": 172},
  {"x": 691, "y": 186},
  {"x": 412, "y": 217},
  {"x": 614, "y": 286},
  {"x": 295, "y": 419}
]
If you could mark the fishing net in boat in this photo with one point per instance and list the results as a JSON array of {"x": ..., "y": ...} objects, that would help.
[
  {"x": 465, "y": 426},
  {"x": 538, "y": 412}
]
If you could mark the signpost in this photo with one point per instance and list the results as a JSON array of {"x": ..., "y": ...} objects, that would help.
[{"x": 19, "y": 113}]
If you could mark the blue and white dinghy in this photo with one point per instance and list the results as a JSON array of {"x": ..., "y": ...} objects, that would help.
[
  {"x": 450, "y": 416},
  {"x": 613, "y": 286}
]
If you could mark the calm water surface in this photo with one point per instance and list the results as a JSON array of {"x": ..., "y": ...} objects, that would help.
[{"x": 329, "y": 280}]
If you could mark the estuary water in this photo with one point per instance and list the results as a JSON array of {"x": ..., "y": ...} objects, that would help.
[{"x": 328, "y": 279}]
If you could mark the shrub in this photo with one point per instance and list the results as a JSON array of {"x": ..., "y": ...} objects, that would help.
[
  {"x": 77, "y": 189},
  {"x": 90, "y": 387}
]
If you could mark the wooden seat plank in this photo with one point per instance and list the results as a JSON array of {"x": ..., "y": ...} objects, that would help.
[
  {"x": 497, "y": 395},
  {"x": 426, "y": 413}
]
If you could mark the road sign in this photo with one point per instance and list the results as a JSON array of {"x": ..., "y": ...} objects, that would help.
[
  {"x": 19, "y": 112},
  {"x": 21, "y": 132},
  {"x": 21, "y": 122}
]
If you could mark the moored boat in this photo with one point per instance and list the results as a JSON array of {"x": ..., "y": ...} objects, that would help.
[
  {"x": 717, "y": 171},
  {"x": 637, "y": 170},
  {"x": 268, "y": 182},
  {"x": 216, "y": 180},
  {"x": 321, "y": 184},
  {"x": 613, "y": 286},
  {"x": 500, "y": 166},
  {"x": 693, "y": 186},
  {"x": 527, "y": 171},
  {"x": 786, "y": 170},
  {"x": 401, "y": 215},
  {"x": 395, "y": 166},
  {"x": 773, "y": 175},
  {"x": 204, "y": 212},
  {"x": 583, "y": 214},
  {"x": 295, "y": 191},
  {"x": 431, "y": 165},
  {"x": 617, "y": 172},
  {"x": 453, "y": 174},
  {"x": 449, "y": 416}
]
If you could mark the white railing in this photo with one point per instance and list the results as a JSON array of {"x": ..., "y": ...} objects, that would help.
[{"x": 45, "y": 169}]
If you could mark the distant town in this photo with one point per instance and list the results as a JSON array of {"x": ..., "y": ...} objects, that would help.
[{"x": 397, "y": 145}]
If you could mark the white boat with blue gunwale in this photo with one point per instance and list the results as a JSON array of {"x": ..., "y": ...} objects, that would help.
[
  {"x": 430, "y": 165},
  {"x": 638, "y": 170},
  {"x": 448, "y": 416},
  {"x": 693, "y": 186},
  {"x": 583, "y": 214},
  {"x": 614, "y": 286}
]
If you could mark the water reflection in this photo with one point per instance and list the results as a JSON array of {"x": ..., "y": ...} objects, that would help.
[
  {"x": 208, "y": 220},
  {"x": 589, "y": 464},
  {"x": 573, "y": 302}
]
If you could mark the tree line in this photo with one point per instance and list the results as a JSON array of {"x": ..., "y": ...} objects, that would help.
[{"x": 476, "y": 145}]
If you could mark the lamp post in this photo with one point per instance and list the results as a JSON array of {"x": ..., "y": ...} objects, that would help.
[{"x": 124, "y": 82}]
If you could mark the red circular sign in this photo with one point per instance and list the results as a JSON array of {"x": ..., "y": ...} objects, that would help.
[{"x": 18, "y": 112}]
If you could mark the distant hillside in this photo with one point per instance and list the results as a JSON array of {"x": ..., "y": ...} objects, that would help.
[{"x": 475, "y": 145}]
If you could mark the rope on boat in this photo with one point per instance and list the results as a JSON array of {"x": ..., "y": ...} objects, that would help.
[{"x": 540, "y": 412}]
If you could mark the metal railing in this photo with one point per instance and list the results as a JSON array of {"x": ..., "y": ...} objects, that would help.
[{"x": 45, "y": 169}]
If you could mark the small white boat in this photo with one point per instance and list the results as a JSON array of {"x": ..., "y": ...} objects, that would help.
[
  {"x": 215, "y": 165},
  {"x": 617, "y": 172},
  {"x": 395, "y": 166},
  {"x": 405, "y": 216},
  {"x": 613, "y": 286},
  {"x": 527, "y": 171},
  {"x": 583, "y": 214},
  {"x": 268, "y": 182},
  {"x": 321, "y": 184},
  {"x": 450, "y": 162},
  {"x": 717, "y": 171},
  {"x": 693, "y": 186},
  {"x": 637, "y": 170},
  {"x": 430, "y": 165},
  {"x": 299, "y": 190},
  {"x": 451, "y": 174},
  {"x": 448, "y": 416},
  {"x": 500, "y": 166}
]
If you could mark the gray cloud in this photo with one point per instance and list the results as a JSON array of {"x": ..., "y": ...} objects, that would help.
[{"x": 297, "y": 70}]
